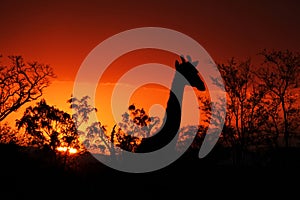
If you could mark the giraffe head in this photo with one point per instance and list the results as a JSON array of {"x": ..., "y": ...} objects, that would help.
[{"x": 188, "y": 69}]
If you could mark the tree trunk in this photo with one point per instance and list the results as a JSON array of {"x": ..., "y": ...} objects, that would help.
[{"x": 286, "y": 131}]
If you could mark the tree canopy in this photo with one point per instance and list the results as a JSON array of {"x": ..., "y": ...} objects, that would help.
[{"x": 49, "y": 127}]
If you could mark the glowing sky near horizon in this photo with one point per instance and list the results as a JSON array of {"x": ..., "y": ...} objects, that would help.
[{"x": 62, "y": 33}]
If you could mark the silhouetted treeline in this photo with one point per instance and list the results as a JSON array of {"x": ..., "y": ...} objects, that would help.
[
  {"x": 261, "y": 122},
  {"x": 261, "y": 131},
  {"x": 263, "y": 107}
]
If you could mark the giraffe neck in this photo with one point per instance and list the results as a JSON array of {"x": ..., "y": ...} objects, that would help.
[
  {"x": 171, "y": 120},
  {"x": 173, "y": 109}
]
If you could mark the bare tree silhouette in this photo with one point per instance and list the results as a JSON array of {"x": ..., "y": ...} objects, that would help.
[
  {"x": 279, "y": 74},
  {"x": 255, "y": 113},
  {"x": 21, "y": 83},
  {"x": 246, "y": 113}
]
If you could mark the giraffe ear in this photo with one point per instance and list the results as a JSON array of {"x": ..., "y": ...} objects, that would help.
[
  {"x": 182, "y": 59},
  {"x": 195, "y": 63}
]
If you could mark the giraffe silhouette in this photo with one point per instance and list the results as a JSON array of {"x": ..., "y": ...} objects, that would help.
[{"x": 186, "y": 69}]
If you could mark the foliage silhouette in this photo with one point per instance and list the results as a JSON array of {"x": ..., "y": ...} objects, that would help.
[
  {"x": 49, "y": 127},
  {"x": 135, "y": 124},
  {"x": 8, "y": 135},
  {"x": 92, "y": 134},
  {"x": 82, "y": 109}
]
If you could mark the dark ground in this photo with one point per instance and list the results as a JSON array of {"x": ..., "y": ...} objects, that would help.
[{"x": 32, "y": 176}]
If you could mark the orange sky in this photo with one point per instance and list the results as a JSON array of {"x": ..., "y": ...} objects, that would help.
[{"x": 63, "y": 33}]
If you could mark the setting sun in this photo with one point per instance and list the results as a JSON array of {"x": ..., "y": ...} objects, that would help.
[{"x": 70, "y": 149}]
